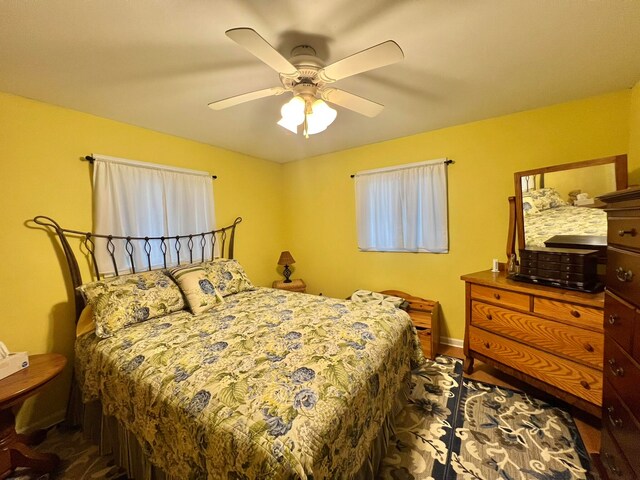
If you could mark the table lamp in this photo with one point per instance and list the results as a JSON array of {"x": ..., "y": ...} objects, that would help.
[{"x": 286, "y": 259}]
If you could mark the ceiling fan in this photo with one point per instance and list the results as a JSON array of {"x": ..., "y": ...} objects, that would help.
[{"x": 305, "y": 75}]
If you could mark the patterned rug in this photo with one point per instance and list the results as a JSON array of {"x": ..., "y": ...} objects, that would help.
[
  {"x": 455, "y": 428},
  {"x": 452, "y": 428}
]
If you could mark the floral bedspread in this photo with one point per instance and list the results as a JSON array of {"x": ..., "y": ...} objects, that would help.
[
  {"x": 270, "y": 384},
  {"x": 565, "y": 220}
]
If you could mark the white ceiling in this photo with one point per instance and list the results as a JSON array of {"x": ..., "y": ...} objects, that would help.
[{"x": 158, "y": 63}]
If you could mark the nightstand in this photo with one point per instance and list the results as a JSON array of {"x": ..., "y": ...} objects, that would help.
[
  {"x": 14, "y": 390},
  {"x": 424, "y": 314},
  {"x": 296, "y": 285}
]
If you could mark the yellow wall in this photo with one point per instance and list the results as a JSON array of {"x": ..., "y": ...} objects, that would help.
[
  {"x": 41, "y": 146},
  {"x": 595, "y": 180},
  {"x": 321, "y": 211},
  {"x": 40, "y": 150}
]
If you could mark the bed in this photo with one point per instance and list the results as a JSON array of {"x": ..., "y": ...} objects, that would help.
[
  {"x": 262, "y": 383},
  {"x": 564, "y": 220},
  {"x": 547, "y": 215}
]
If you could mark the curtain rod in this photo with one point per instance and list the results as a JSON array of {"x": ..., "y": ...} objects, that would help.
[
  {"x": 90, "y": 159},
  {"x": 446, "y": 162}
]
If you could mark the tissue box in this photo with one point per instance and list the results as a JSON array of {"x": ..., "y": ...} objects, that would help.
[{"x": 13, "y": 363}]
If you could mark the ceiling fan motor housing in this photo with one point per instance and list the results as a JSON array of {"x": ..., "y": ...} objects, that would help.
[{"x": 304, "y": 58}]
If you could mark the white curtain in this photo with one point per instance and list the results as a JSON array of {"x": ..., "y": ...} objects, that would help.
[
  {"x": 403, "y": 209},
  {"x": 143, "y": 199}
]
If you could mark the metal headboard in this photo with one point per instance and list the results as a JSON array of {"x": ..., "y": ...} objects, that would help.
[{"x": 223, "y": 238}]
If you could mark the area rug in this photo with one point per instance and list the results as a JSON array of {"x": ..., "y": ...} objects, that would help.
[
  {"x": 452, "y": 428},
  {"x": 456, "y": 428}
]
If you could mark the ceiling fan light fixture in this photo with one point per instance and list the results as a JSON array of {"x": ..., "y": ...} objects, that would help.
[
  {"x": 325, "y": 114},
  {"x": 293, "y": 111},
  {"x": 291, "y": 126},
  {"x": 292, "y": 114},
  {"x": 320, "y": 117},
  {"x": 316, "y": 115}
]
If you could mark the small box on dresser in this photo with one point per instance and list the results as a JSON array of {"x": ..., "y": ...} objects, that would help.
[
  {"x": 620, "y": 449},
  {"x": 560, "y": 267}
]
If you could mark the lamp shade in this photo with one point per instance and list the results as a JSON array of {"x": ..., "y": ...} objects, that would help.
[
  {"x": 286, "y": 258},
  {"x": 292, "y": 114},
  {"x": 315, "y": 114}
]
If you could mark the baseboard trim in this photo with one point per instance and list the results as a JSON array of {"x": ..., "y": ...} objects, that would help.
[{"x": 453, "y": 342}]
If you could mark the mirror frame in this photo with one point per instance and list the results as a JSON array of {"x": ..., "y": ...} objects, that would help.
[{"x": 620, "y": 162}]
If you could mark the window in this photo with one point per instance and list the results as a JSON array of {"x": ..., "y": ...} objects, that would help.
[
  {"x": 528, "y": 183},
  {"x": 145, "y": 199},
  {"x": 403, "y": 208}
]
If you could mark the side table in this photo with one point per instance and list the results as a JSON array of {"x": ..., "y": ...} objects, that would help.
[
  {"x": 14, "y": 390},
  {"x": 425, "y": 317},
  {"x": 296, "y": 285}
]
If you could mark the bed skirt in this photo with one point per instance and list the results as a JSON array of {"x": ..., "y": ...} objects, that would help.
[{"x": 113, "y": 438}]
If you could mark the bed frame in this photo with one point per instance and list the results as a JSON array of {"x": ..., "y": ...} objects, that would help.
[
  {"x": 104, "y": 430},
  {"x": 220, "y": 241}
]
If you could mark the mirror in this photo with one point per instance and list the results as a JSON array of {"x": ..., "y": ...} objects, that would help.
[{"x": 560, "y": 201}]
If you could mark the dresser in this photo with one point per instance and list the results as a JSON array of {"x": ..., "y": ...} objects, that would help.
[
  {"x": 549, "y": 337},
  {"x": 620, "y": 448}
]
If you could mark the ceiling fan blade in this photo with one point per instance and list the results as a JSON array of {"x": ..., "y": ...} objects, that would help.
[
  {"x": 377, "y": 56},
  {"x": 245, "y": 97},
  {"x": 352, "y": 102},
  {"x": 258, "y": 46}
]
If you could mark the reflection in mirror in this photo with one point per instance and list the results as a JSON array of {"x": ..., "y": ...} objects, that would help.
[{"x": 558, "y": 204}]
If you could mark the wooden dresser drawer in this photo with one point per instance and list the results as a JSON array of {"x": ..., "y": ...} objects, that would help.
[
  {"x": 622, "y": 426},
  {"x": 613, "y": 459},
  {"x": 623, "y": 273},
  {"x": 565, "y": 340},
  {"x": 579, "y": 315},
  {"x": 572, "y": 377},
  {"x": 507, "y": 298},
  {"x": 420, "y": 319},
  {"x": 619, "y": 320},
  {"x": 623, "y": 374},
  {"x": 624, "y": 232}
]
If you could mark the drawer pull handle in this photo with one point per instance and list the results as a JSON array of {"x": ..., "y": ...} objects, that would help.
[
  {"x": 616, "y": 422},
  {"x": 487, "y": 345},
  {"x": 615, "y": 369},
  {"x": 612, "y": 466},
  {"x": 624, "y": 275},
  {"x": 631, "y": 231},
  {"x": 588, "y": 347},
  {"x": 585, "y": 384},
  {"x": 613, "y": 318},
  {"x": 496, "y": 296},
  {"x": 575, "y": 313},
  {"x": 489, "y": 316}
]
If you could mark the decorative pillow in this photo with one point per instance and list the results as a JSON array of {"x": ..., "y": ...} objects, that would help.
[
  {"x": 528, "y": 205},
  {"x": 122, "y": 301},
  {"x": 85, "y": 324},
  {"x": 197, "y": 287},
  {"x": 366, "y": 296},
  {"x": 546, "y": 198},
  {"x": 230, "y": 276}
]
